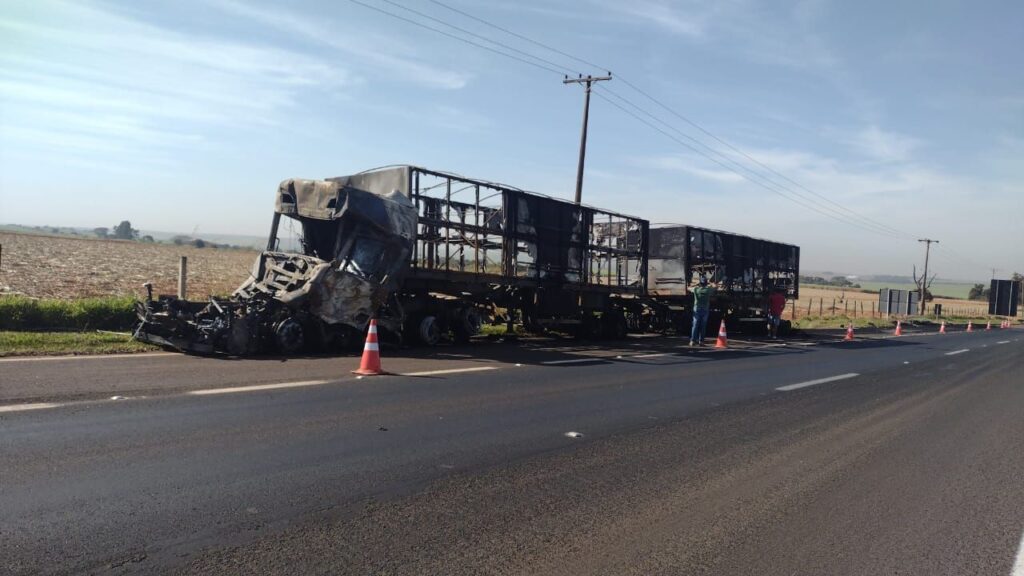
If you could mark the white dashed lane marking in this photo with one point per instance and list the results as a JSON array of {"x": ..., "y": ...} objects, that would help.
[{"x": 799, "y": 385}]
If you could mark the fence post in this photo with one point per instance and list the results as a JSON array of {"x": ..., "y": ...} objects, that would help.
[
  {"x": 182, "y": 277},
  {"x": 810, "y": 301},
  {"x": 821, "y": 306},
  {"x": 793, "y": 310},
  {"x": 833, "y": 306}
]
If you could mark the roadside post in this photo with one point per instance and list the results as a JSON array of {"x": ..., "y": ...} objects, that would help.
[{"x": 182, "y": 277}]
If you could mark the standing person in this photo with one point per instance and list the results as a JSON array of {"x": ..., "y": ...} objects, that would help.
[
  {"x": 701, "y": 305},
  {"x": 776, "y": 305}
]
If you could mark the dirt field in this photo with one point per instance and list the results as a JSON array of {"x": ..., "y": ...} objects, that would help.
[
  {"x": 63, "y": 267},
  {"x": 822, "y": 298}
]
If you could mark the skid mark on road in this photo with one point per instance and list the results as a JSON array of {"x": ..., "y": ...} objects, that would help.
[{"x": 955, "y": 352}]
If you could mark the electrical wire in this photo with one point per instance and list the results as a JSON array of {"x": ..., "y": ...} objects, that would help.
[
  {"x": 851, "y": 217},
  {"x": 454, "y": 37},
  {"x": 852, "y": 213}
]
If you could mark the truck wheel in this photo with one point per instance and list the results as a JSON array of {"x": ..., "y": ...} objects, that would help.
[
  {"x": 429, "y": 331},
  {"x": 467, "y": 324},
  {"x": 289, "y": 336}
]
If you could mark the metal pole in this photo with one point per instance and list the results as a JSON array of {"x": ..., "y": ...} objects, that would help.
[
  {"x": 586, "y": 81},
  {"x": 924, "y": 279},
  {"x": 182, "y": 277}
]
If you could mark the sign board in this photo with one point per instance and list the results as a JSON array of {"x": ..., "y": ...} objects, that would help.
[
  {"x": 1003, "y": 296},
  {"x": 898, "y": 302}
]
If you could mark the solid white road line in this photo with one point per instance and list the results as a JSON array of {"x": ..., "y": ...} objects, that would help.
[
  {"x": 21, "y": 407},
  {"x": 818, "y": 381},
  {"x": 576, "y": 361},
  {"x": 450, "y": 371},
  {"x": 658, "y": 355},
  {"x": 257, "y": 387},
  {"x": 955, "y": 352},
  {"x": 86, "y": 357},
  {"x": 1018, "y": 566},
  {"x": 1003, "y": 342}
]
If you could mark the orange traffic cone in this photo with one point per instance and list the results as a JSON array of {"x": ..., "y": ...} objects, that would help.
[
  {"x": 849, "y": 333},
  {"x": 899, "y": 329},
  {"x": 722, "y": 341},
  {"x": 370, "y": 365},
  {"x": 942, "y": 327},
  {"x": 969, "y": 327}
]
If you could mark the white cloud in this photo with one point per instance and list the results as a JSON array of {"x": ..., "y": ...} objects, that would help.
[
  {"x": 884, "y": 146},
  {"x": 690, "y": 21},
  {"x": 84, "y": 81},
  {"x": 389, "y": 54}
]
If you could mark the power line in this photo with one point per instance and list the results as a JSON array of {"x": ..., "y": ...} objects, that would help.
[
  {"x": 478, "y": 36},
  {"x": 861, "y": 222},
  {"x": 749, "y": 173},
  {"x": 854, "y": 214},
  {"x": 727, "y": 167},
  {"x": 517, "y": 35},
  {"x": 755, "y": 161},
  {"x": 455, "y": 37}
]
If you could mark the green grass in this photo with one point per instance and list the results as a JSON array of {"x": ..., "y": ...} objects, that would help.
[
  {"x": 113, "y": 313},
  {"x": 51, "y": 343}
]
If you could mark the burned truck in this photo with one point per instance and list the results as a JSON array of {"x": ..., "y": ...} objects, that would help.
[{"x": 431, "y": 255}]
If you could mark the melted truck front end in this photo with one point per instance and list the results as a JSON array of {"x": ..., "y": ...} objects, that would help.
[{"x": 317, "y": 289}]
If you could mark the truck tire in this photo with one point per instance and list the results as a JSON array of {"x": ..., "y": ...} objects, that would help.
[
  {"x": 289, "y": 336},
  {"x": 429, "y": 330},
  {"x": 467, "y": 324}
]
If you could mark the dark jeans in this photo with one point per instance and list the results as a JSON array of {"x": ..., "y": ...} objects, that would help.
[{"x": 700, "y": 325}]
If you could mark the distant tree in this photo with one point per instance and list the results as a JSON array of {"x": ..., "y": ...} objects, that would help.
[
  {"x": 101, "y": 232},
  {"x": 199, "y": 243},
  {"x": 147, "y": 238},
  {"x": 124, "y": 231},
  {"x": 180, "y": 240},
  {"x": 978, "y": 292},
  {"x": 841, "y": 281}
]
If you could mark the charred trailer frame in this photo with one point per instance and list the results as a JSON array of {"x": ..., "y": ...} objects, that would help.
[
  {"x": 486, "y": 249},
  {"x": 748, "y": 269}
]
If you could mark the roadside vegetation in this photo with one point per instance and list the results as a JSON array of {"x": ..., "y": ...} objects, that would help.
[
  {"x": 818, "y": 322},
  {"x": 30, "y": 326},
  {"x": 44, "y": 314},
  {"x": 56, "y": 343}
]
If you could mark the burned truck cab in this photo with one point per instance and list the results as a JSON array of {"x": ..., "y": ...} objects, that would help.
[{"x": 351, "y": 251}]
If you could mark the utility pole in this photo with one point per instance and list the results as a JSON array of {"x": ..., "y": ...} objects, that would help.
[
  {"x": 587, "y": 80},
  {"x": 924, "y": 279}
]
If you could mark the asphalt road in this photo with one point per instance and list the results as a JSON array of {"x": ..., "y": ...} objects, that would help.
[{"x": 882, "y": 456}]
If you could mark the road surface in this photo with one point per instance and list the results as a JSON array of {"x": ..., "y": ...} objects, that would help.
[{"x": 878, "y": 456}]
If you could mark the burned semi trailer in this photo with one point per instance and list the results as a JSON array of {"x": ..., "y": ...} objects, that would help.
[
  {"x": 547, "y": 263},
  {"x": 748, "y": 270},
  {"x": 431, "y": 255}
]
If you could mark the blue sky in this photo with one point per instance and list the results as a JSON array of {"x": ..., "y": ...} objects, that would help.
[{"x": 186, "y": 115}]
